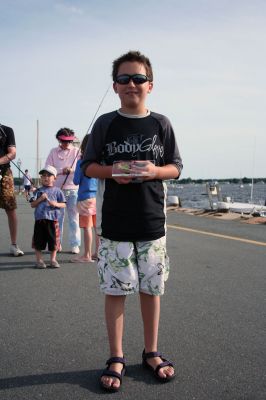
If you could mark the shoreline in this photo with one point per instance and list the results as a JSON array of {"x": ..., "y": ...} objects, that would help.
[{"x": 215, "y": 214}]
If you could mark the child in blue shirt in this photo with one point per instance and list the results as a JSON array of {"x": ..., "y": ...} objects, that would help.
[
  {"x": 47, "y": 201},
  {"x": 86, "y": 206}
]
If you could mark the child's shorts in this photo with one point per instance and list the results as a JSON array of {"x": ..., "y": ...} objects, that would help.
[
  {"x": 130, "y": 267},
  {"x": 87, "y": 221},
  {"x": 87, "y": 213},
  {"x": 46, "y": 232}
]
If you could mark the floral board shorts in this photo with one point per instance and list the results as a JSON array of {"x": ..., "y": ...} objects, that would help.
[
  {"x": 7, "y": 190},
  {"x": 130, "y": 267}
]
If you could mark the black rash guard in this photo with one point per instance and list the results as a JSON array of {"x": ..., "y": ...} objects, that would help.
[
  {"x": 134, "y": 211},
  {"x": 7, "y": 139}
]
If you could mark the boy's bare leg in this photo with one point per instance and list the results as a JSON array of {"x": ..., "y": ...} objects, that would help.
[
  {"x": 87, "y": 234},
  {"x": 38, "y": 255},
  {"x": 150, "y": 309},
  {"x": 114, "y": 317},
  {"x": 53, "y": 255}
]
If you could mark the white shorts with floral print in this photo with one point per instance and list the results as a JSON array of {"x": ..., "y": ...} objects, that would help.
[{"x": 130, "y": 267}]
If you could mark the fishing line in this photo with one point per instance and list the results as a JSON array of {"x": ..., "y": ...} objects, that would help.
[
  {"x": 14, "y": 162},
  {"x": 22, "y": 172},
  {"x": 88, "y": 130}
]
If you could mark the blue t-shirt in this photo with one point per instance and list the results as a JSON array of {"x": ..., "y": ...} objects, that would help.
[
  {"x": 87, "y": 186},
  {"x": 44, "y": 210}
]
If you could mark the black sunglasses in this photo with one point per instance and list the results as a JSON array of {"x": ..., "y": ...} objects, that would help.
[
  {"x": 45, "y": 174},
  {"x": 138, "y": 79}
]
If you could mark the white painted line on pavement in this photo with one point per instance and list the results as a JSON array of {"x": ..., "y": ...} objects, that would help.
[{"x": 239, "y": 239}]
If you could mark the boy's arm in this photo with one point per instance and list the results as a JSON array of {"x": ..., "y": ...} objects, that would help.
[
  {"x": 169, "y": 171},
  {"x": 56, "y": 204},
  {"x": 95, "y": 170},
  {"x": 36, "y": 202},
  {"x": 151, "y": 171}
]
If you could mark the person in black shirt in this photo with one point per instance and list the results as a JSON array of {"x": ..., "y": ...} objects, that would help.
[
  {"x": 7, "y": 192},
  {"x": 132, "y": 151}
]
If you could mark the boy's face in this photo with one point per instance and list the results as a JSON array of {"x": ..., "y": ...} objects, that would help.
[
  {"x": 47, "y": 179},
  {"x": 132, "y": 95}
]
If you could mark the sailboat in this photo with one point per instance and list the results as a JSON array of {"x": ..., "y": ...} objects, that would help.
[
  {"x": 243, "y": 208},
  {"x": 217, "y": 201}
]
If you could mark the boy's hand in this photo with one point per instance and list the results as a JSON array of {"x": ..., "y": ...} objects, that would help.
[
  {"x": 52, "y": 203},
  {"x": 43, "y": 197},
  {"x": 124, "y": 172},
  {"x": 144, "y": 170}
]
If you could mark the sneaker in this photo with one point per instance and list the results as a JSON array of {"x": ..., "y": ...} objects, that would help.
[
  {"x": 75, "y": 250},
  {"x": 40, "y": 264},
  {"x": 15, "y": 250},
  {"x": 54, "y": 264}
]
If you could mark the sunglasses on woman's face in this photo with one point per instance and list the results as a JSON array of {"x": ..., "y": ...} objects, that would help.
[{"x": 137, "y": 79}]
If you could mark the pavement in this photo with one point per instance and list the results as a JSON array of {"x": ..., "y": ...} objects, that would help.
[{"x": 53, "y": 342}]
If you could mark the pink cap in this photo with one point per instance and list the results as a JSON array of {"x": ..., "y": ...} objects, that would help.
[{"x": 67, "y": 138}]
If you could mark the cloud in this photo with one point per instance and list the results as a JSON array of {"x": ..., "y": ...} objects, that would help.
[{"x": 68, "y": 9}]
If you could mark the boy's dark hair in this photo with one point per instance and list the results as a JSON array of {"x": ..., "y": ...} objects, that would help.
[
  {"x": 84, "y": 144},
  {"x": 65, "y": 132},
  {"x": 133, "y": 56}
]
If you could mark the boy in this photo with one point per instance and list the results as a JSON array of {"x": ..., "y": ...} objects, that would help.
[
  {"x": 27, "y": 184},
  {"x": 86, "y": 206},
  {"x": 48, "y": 201},
  {"x": 131, "y": 211}
]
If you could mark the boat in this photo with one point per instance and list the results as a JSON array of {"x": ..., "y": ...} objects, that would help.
[
  {"x": 217, "y": 201},
  {"x": 243, "y": 208}
]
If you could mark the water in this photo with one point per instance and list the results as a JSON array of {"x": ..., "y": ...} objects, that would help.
[{"x": 195, "y": 195}]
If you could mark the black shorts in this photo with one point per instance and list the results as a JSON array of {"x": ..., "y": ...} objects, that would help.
[
  {"x": 27, "y": 188},
  {"x": 46, "y": 232}
]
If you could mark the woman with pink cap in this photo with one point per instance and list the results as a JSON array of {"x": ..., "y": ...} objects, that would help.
[{"x": 64, "y": 158}]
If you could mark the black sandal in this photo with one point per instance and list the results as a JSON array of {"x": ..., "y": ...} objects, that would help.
[
  {"x": 165, "y": 363},
  {"x": 113, "y": 374}
]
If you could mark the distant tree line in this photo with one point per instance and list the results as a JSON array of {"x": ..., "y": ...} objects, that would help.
[
  {"x": 189, "y": 180},
  {"x": 230, "y": 180}
]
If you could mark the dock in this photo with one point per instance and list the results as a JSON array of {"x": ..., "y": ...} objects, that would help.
[{"x": 53, "y": 342}]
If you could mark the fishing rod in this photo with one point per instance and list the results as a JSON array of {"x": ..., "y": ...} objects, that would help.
[
  {"x": 14, "y": 162},
  {"x": 22, "y": 172},
  {"x": 88, "y": 130}
]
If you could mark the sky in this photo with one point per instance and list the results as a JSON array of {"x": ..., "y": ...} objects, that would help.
[{"x": 209, "y": 63}]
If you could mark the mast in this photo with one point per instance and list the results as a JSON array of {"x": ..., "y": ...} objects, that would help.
[
  {"x": 37, "y": 156},
  {"x": 253, "y": 168}
]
